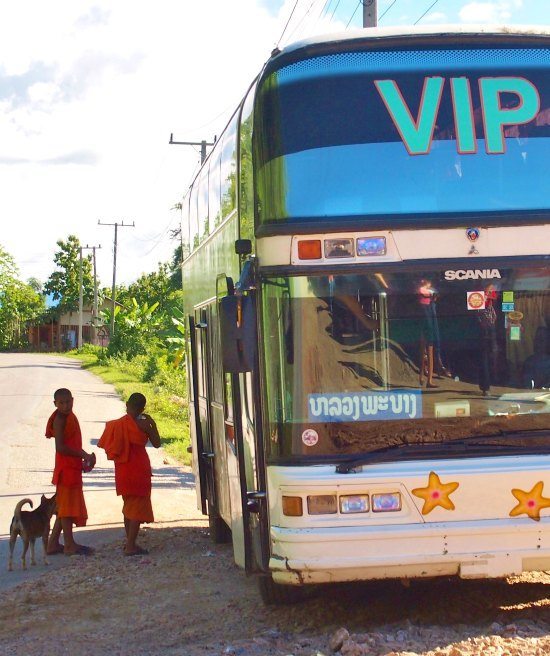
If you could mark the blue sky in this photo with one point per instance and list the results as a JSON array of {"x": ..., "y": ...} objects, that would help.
[
  {"x": 90, "y": 91},
  {"x": 405, "y": 12}
]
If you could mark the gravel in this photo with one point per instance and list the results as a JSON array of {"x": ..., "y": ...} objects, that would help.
[{"x": 187, "y": 598}]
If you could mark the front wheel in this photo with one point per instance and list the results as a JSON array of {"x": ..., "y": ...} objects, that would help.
[{"x": 278, "y": 594}]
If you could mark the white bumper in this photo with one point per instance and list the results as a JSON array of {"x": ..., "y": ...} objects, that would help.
[{"x": 487, "y": 549}]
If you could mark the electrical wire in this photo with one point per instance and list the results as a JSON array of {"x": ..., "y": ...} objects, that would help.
[
  {"x": 386, "y": 11},
  {"x": 302, "y": 19},
  {"x": 335, "y": 8},
  {"x": 288, "y": 21},
  {"x": 427, "y": 10},
  {"x": 324, "y": 8},
  {"x": 353, "y": 15}
]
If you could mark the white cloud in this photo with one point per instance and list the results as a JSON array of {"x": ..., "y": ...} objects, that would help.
[
  {"x": 90, "y": 91},
  {"x": 435, "y": 17},
  {"x": 489, "y": 12},
  {"x": 87, "y": 114}
]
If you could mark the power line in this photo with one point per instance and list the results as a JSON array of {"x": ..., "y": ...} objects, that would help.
[
  {"x": 302, "y": 19},
  {"x": 116, "y": 225},
  {"x": 386, "y": 11},
  {"x": 325, "y": 8},
  {"x": 288, "y": 21},
  {"x": 335, "y": 8},
  {"x": 353, "y": 15},
  {"x": 427, "y": 10}
]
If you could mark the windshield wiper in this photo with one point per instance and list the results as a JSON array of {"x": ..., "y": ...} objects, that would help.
[{"x": 534, "y": 441}]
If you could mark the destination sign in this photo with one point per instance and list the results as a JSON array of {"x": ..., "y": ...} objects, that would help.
[{"x": 417, "y": 132}]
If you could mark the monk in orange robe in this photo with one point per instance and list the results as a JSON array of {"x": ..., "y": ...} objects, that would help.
[
  {"x": 124, "y": 441},
  {"x": 70, "y": 459}
]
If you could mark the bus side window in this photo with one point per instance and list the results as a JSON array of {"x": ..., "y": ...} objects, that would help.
[
  {"x": 248, "y": 396},
  {"x": 202, "y": 209},
  {"x": 229, "y": 169},
  {"x": 193, "y": 218},
  {"x": 215, "y": 346},
  {"x": 185, "y": 249},
  {"x": 246, "y": 187},
  {"x": 214, "y": 190},
  {"x": 228, "y": 409},
  {"x": 202, "y": 381}
]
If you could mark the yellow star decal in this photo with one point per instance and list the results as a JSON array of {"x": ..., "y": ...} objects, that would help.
[
  {"x": 530, "y": 503},
  {"x": 435, "y": 494}
]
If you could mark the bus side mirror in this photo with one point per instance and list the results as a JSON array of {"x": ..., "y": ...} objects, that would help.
[{"x": 238, "y": 333}]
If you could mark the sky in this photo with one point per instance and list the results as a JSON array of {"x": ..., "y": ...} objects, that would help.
[{"x": 90, "y": 93}]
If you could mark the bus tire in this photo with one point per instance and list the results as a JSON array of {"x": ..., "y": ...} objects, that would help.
[
  {"x": 218, "y": 529},
  {"x": 278, "y": 594}
]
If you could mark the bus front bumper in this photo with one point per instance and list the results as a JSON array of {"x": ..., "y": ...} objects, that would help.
[{"x": 488, "y": 549}]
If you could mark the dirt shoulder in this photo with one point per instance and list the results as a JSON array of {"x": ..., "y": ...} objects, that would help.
[{"x": 187, "y": 597}]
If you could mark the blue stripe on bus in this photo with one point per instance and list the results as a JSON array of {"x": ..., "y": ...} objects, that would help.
[{"x": 404, "y": 60}]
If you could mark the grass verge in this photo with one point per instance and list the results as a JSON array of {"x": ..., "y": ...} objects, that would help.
[{"x": 169, "y": 410}]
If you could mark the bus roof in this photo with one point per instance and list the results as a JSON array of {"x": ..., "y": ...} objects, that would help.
[
  {"x": 379, "y": 33},
  {"x": 403, "y": 36}
]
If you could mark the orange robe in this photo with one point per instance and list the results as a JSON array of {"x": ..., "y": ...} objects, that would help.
[
  {"x": 124, "y": 443},
  {"x": 67, "y": 474}
]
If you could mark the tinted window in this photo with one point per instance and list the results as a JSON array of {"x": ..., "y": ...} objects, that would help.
[
  {"x": 193, "y": 218},
  {"x": 246, "y": 187},
  {"x": 214, "y": 203},
  {"x": 360, "y": 134},
  {"x": 185, "y": 227},
  {"x": 405, "y": 356},
  {"x": 229, "y": 169},
  {"x": 203, "y": 205}
]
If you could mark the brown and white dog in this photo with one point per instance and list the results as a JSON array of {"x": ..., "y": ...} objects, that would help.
[{"x": 31, "y": 524}]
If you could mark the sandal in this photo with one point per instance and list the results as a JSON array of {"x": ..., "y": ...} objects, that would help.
[{"x": 81, "y": 550}]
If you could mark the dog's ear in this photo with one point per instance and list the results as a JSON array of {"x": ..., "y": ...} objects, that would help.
[{"x": 43, "y": 499}]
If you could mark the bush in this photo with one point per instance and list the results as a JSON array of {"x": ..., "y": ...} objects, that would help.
[{"x": 151, "y": 369}]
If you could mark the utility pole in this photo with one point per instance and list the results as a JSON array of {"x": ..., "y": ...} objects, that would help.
[
  {"x": 202, "y": 144},
  {"x": 369, "y": 13},
  {"x": 113, "y": 293},
  {"x": 81, "y": 295},
  {"x": 80, "y": 298}
]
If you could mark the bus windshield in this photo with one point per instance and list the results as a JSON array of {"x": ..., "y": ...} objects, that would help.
[
  {"x": 359, "y": 362},
  {"x": 446, "y": 131}
]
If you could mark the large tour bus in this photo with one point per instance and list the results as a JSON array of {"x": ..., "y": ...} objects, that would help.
[{"x": 366, "y": 280}]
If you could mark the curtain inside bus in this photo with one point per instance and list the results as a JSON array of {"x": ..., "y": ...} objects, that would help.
[
  {"x": 356, "y": 363},
  {"x": 326, "y": 145}
]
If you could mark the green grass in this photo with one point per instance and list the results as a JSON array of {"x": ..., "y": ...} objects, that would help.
[{"x": 167, "y": 407}]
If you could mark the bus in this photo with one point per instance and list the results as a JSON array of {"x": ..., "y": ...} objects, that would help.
[{"x": 366, "y": 284}]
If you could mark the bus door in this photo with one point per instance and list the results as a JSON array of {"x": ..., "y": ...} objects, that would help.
[
  {"x": 254, "y": 466},
  {"x": 203, "y": 455},
  {"x": 248, "y": 498}
]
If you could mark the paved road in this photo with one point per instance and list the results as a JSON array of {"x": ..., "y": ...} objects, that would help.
[{"x": 27, "y": 384}]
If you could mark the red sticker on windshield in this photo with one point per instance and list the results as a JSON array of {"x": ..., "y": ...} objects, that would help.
[{"x": 475, "y": 300}]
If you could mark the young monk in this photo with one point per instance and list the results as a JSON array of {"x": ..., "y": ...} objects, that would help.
[
  {"x": 124, "y": 442},
  {"x": 70, "y": 459}
]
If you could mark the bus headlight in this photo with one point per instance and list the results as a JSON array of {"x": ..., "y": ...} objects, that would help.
[
  {"x": 357, "y": 503},
  {"x": 386, "y": 502},
  {"x": 339, "y": 248},
  {"x": 322, "y": 504},
  {"x": 292, "y": 506}
]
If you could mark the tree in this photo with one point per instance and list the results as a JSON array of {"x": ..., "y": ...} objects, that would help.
[
  {"x": 136, "y": 328},
  {"x": 19, "y": 303},
  {"x": 64, "y": 284},
  {"x": 156, "y": 287}
]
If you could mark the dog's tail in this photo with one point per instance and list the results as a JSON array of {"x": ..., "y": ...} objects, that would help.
[{"x": 17, "y": 511}]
